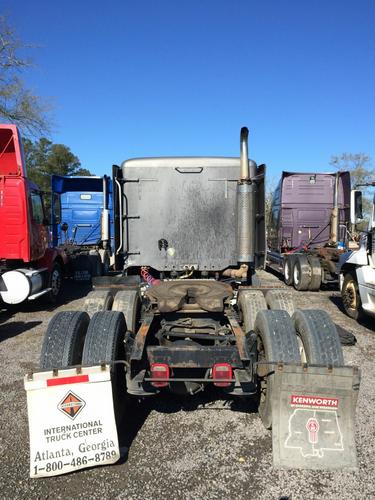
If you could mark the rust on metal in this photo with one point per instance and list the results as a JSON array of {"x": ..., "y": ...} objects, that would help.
[
  {"x": 194, "y": 356},
  {"x": 140, "y": 338},
  {"x": 240, "y": 339},
  {"x": 208, "y": 295}
]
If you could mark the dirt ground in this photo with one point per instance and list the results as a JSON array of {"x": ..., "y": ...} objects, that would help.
[{"x": 203, "y": 447}]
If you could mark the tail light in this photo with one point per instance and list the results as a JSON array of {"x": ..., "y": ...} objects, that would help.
[
  {"x": 159, "y": 370},
  {"x": 222, "y": 371}
]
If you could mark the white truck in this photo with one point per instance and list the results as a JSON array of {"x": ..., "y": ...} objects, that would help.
[{"x": 357, "y": 268}]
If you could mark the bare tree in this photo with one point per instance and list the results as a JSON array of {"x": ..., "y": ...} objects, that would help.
[
  {"x": 18, "y": 104},
  {"x": 359, "y": 165},
  {"x": 361, "y": 171}
]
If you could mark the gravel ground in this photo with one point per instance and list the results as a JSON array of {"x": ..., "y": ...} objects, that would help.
[{"x": 202, "y": 447}]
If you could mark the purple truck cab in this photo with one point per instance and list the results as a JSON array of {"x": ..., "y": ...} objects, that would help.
[{"x": 310, "y": 213}]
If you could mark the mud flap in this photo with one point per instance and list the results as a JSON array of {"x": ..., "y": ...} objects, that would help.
[
  {"x": 313, "y": 417},
  {"x": 71, "y": 420}
]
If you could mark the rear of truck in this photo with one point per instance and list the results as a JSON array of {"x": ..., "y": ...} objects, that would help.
[
  {"x": 189, "y": 311},
  {"x": 309, "y": 227}
]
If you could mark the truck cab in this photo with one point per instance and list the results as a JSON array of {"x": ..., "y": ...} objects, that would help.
[{"x": 29, "y": 267}]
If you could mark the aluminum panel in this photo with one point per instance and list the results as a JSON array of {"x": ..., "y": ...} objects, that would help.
[{"x": 180, "y": 212}]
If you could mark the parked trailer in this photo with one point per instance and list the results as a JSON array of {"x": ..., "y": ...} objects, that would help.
[
  {"x": 357, "y": 268},
  {"x": 29, "y": 266},
  {"x": 309, "y": 227},
  {"x": 190, "y": 312},
  {"x": 82, "y": 222}
]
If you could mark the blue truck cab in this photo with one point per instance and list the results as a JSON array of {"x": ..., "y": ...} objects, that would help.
[{"x": 82, "y": 215}]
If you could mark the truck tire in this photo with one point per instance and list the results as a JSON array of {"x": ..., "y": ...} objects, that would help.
[
  {"x": 129, "y": 303},
  {"x": 350, "y": 296},
  {"x": 318, "y": 338},
  {"x": 288, "y": 270},
  {"x": 276, "y": 341},
  {"x": 98, "y": 300},
  {"x": 105, "y": 342},
  {"x": 316, "y": 273},
  {"x": 279, "y": 299},
  {"x": 55, "y": 283},
  {"x": 64, "y": 339},
  {"x": 301, "y": 273},
  {"x": 250, "y": 302}
]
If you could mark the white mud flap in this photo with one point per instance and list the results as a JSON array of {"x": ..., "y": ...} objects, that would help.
[
  {"x": 71, "y": 420},
  {"x": 313, "y": 417}
]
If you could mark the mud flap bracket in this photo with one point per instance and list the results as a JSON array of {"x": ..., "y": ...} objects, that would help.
[{"x": 313, "y": 417}]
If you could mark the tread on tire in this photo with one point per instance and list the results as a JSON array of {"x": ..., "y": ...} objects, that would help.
[
  {"x": 250, "y": 302},
  {"x": 128, "y": 302},
  {"x": 316, "y": 273},
  {"x": 105, "y": 342},
  {"x": 301, "y": 273},
  {"x": 64, "y": 339},
  {"x": 280, "y": 299},
  {"x": 277, "y": 342},
  {"x": 98, "y": 300},
  {"x": 319, "y": 337}
]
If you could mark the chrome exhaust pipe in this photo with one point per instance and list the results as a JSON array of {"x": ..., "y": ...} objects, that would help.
[
  {"x": 244, "y": 154},
  {"x": 105, "y": 215},
  {"x": 246, "y": 206}
]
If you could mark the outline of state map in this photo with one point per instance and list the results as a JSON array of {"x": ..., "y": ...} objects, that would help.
[{"x": 314, "y": 432}]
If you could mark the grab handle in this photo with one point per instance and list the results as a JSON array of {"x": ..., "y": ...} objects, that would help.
[{"x": 189, "y": 170}]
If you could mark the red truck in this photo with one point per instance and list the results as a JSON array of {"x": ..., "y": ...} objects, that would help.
[{"x": 29, "y": 266}]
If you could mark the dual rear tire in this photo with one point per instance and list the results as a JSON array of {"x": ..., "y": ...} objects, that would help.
[
  {"x": 72, "y": 339},
  {"x": 309, "y": 336},
  {"x": 302, "y": 271},
  {"x": 126, "y": 301}
]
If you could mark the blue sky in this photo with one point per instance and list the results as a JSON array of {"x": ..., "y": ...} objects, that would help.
[{"x": 165, "y": 77}]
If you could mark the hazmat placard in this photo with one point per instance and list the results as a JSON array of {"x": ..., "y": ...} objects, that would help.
[
  {"x": 313, "y": 417},
  {"x": 71, "y": 420}
]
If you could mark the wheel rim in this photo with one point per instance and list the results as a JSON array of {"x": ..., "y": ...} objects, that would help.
[
  {"x": 55, "y": 282},
  {"x": 296, "y": 275},
  {"x": 301, "y": 349},
  {"x": 287, "y": 270},
  {"x": 350, "y": 296}
]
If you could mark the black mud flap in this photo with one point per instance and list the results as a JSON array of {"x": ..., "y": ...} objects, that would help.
[{"x": 313, "y": 417}]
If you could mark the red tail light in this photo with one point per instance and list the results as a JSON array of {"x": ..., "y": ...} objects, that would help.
[
  {"x": 159, "y": 370},
  {"x": 222, "y": 371}
]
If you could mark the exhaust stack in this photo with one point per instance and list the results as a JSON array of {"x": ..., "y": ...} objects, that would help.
[
  {"x": 244, "y": 154},
  {"x": 105, "y": 215},
  {"x": 246, "y": 206},
  {"x": 335, "y": 213}
]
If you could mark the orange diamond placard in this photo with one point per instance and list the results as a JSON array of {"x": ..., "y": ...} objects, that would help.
[{"x": 71, "y": 405}]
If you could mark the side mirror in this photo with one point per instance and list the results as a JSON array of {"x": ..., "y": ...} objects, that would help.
[{"x": 356, "y": 206}]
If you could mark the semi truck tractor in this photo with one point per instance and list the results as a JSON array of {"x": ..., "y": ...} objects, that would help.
[
  {"x": 30, "y": 267},
  {"x": 308, "y": 229},
  {"x": 189, "y": 311},
  {"x": 357, "y": 268},
  {"x": 82, "y": 222}
]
